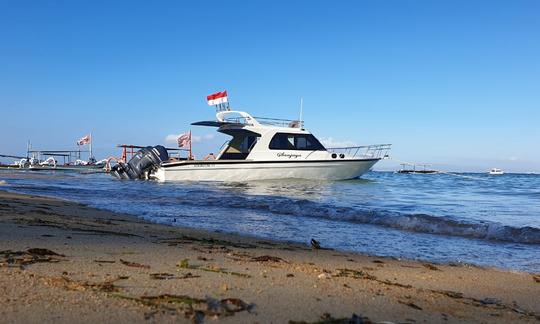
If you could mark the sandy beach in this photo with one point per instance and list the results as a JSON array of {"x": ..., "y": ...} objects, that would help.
[{"x": 64, "y": 262}]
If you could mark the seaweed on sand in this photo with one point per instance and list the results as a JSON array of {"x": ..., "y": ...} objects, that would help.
[
  {"x": 167, "y": 276},
  {"x": 30, "y": 256},
  {"x": 191, "y": 307},
  {"x": 356, "y": 274},
  {"x": 70, "y": 284},
  {"x": 267, "y": 258},
  {"x": 184, "y": 264},
  {"x": 134, "y": 264},
  {"x": 329, "y": 319}
]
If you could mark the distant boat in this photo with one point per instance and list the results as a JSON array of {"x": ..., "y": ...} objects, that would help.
[
  {"x": 37, "y": 160},
  {"x": 496, "y": 171}
]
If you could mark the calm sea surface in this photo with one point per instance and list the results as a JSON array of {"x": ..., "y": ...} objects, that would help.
[{"x": 470, "y": 218}]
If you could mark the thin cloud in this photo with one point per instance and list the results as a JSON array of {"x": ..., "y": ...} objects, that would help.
[
  {"x": 171, "y": 138},
  {"x": 206, "y": 137},
  {"x": 331, "y": 142}
]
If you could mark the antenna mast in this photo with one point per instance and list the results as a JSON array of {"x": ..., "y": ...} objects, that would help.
[{"x": 301, "y": 112}]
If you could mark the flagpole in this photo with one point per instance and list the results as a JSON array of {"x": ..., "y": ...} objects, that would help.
[
  {"x": 190, "y": 147},
  {"x": 91, "y": 140},
  {"x": 301, "y": 122}
]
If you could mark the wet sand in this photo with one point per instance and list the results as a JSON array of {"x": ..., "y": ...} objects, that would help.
[{"x": 64, "y": 262}]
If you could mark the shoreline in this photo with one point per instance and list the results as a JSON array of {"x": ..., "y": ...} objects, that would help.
[
  {"x": 63, "y": 261},
  {"x": 235, "y": 234}
]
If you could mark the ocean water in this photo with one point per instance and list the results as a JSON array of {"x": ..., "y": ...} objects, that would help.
[{"x": 459, "y": 218}]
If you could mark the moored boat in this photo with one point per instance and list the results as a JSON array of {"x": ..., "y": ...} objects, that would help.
[{"x": 259, "y": 149}]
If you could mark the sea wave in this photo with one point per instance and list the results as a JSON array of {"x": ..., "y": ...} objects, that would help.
[
  {"x": 420, "y": 223},
  {"x": 280, "y": 205}
]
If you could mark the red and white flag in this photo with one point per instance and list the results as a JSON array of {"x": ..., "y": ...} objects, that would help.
[
  {"x": 84, "y": 140},
  {"x": 184, "y": 140},
  {"x": 217, "y": 98}
]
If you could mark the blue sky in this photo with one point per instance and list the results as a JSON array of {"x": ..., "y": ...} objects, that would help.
[{"x": 454, "y": 83}]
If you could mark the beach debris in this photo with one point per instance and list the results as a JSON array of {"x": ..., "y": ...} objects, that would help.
[
  {"x": 104, "y": 222},
  {"x": 235, "y": 305},
  {"x": 451, "y": 294},
  {"x": 430, "y": 266},
  {"x": 30, "y": 256},
  {"x": 162, "y": 276},
  {"x": 167, "y": 276},
  {"x": 193, "y": 308},
  {"x": 134, "y": 264},
  {"x": 410, "y": 304},
  {"x": 327, "y": 318},
  {"x": 315, "y": 244},
  {"x": 290, "y": 275},
  {"x": 184, "y": 264},
  {"x": 490, "y": 301},
  {"x": 356, "y": 274},
  {"x": 267, "y": 258},
  {"x": 150, "y": 315},
  {"x": 324, "y": 275},
  {"x": 43, "y": 252},
  {"x": 104, "y": 261},
  {"x": 70, "y": 284},
  {"x": 536, "y": 278}
]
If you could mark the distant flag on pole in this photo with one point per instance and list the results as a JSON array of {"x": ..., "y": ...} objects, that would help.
[
  {"x": 184, "y": 140},
  {"x": 217, "y": 98},
  {"x": 85, "y": 140}
]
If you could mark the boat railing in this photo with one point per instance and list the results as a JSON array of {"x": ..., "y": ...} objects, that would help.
[
  {"x": 222, "y": 149},
  {"x": 290, "y": 123},
  {"x": 378, "y": 151}
]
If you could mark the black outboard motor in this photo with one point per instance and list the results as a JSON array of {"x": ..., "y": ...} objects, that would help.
[{"x": 141, "y": 163}]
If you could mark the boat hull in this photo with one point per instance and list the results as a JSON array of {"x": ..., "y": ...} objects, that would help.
[{"x": 243, "y": 170}]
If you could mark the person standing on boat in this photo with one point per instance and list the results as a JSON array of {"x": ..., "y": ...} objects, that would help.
[{"x": 210, "y": 156}]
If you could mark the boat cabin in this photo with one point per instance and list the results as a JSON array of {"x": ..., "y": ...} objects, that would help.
[{"x": 256, "y": 137}]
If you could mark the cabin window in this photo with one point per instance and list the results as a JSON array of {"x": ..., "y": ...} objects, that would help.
[
  {"x": 240, "y": 146},
  {"x": 302, "y": 142}
]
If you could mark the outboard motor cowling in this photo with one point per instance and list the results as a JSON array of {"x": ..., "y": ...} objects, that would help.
[{"x": 141, "y": 163}]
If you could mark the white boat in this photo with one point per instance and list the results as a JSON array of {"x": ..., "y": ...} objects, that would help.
[
  {"x": 496, "y": 171},
  {"x": 260, "y": 149}
]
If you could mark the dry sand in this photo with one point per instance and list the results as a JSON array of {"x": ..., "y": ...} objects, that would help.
[{"x": 64, "y": 262}]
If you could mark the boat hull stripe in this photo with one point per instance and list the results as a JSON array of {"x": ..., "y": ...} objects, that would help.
[{"x": 219, "y": 162}]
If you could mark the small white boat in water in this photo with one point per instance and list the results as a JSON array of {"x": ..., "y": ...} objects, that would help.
[
  {"x": 496, "y": 171},
  {"x": 260, "y": 149}
]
